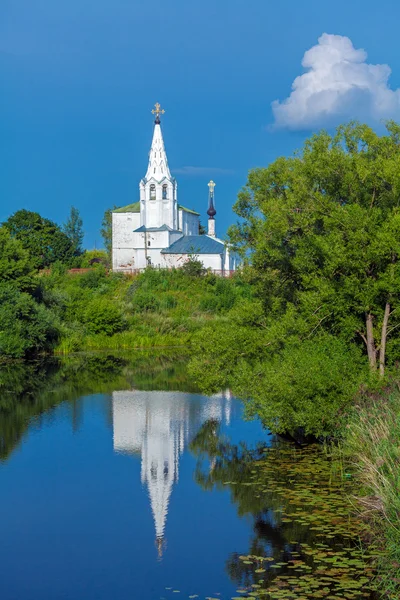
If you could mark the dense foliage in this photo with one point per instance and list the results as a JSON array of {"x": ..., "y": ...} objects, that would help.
[
  {"x": 321, "y": 234},
  {"x": 26, "y": 325},
  {"x": 16, "y": 266},
  {"x": 43, "y": 239},
  {"x": 323, "y": 229},
  {"x": 100, "y": 310}
]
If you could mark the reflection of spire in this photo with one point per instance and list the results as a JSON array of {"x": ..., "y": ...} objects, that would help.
[
  {"x": 160, "y": 544},
  {"x": 158, "y": 425}
]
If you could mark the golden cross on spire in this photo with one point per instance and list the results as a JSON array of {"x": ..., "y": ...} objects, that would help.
[
  {"x": 211, "y": 185},
  {"x": 157, "y": 110}
]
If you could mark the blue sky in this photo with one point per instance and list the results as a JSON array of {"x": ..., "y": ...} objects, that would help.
[{"x": 79, "y": 78}]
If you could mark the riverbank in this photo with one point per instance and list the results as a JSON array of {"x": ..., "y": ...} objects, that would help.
[
  {"x": 62, "y": 312},
  {"x": 372, "y": 454}
]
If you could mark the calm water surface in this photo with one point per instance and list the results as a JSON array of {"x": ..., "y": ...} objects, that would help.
[
  {"x": 115, "y": 484},
  {"x": 100, "y": 501}
]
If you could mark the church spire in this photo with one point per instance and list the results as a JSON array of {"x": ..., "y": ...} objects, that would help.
[
  {"x": 211, "y": 209},
  {"x": 158, "y": 164}
]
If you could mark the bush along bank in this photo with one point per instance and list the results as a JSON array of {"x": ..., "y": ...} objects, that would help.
[{"x": 371, "y": 452}]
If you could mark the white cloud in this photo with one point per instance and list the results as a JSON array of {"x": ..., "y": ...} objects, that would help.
[
  {"x": 197, "y": 171},
  {"x": 339, "y": 84}
]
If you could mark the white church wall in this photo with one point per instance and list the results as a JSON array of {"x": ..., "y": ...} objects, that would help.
[
  {"x": 123, "y": 254},
  {"x": 123, "y": 225},
  {"x": 151, "y": 239},
  {"x": 174, "y": 260},
  {"x": 210, "y": 261},
  {"x": 188, "y": 223},
  {"x": 149, "y": 256},
  {"x": 174, "y": 236},
  {"x": 124, "y": 259}
]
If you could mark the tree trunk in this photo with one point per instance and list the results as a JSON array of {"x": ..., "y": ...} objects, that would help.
[
  {"x": 383, "y": 340},
  {"x": 371, "y": 342}
]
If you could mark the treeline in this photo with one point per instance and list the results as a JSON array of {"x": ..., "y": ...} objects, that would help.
[{"x": 45, "y": 309}]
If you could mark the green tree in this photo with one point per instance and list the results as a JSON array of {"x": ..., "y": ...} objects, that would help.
[
  {"x": 16, "y": 266},
  {"x": 322, "y": 232},
  {"x": 92, "y": 258},
  {"x": 193, "y": 265},
  {"x": 106, "y": 231},
  {"x": 26, "y": 327},
  {"x": 73, "y": 229},
  {"x": 42, "y": 238}
]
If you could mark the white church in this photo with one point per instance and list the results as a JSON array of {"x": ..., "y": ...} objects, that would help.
[{"x": 160, "y": 232}]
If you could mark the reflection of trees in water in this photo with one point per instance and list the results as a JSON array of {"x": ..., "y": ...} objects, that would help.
[
  {"x": 29, "y": 389},
  {"x": 222, "y": 465}
]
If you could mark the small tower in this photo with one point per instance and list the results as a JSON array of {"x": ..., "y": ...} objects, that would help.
[
  {"x": 211, "y": 209},
  {"x": 158, "y": 189}
]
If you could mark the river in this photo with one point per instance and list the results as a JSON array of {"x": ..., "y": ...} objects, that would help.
[{"x": 119, "y": 480}]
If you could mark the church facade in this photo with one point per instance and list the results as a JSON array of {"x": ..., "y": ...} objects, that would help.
[{"x": 157, "y": 230}]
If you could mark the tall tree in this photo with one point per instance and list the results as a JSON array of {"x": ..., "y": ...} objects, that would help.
[
  {"x": 106, "y": 230},
  {"x": 16, "y": 266},
  {"x": 322, "y": 229},
  {"x": 73, "y": 229},
  {"x": 42, "y": 238}
]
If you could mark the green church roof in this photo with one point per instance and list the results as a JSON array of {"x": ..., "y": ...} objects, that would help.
[
  {"x": 188, "y": 210},
  {"x": 131, "y": 208},
  {"x": 135, "y": 208}
]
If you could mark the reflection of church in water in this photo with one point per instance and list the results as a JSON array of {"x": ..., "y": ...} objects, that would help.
[{"x": 157, "y": 426}]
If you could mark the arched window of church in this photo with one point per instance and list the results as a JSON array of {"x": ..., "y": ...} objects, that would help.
[
  {"x": 164, "y": 192},
  {"x": 148, "y": 243},
  {"x": 152, "y": 192}
]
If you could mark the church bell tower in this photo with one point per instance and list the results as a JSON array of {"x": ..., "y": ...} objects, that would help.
[{"x": 158, "y": 189}]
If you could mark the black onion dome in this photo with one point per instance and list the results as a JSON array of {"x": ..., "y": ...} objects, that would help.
[{"x": 211, "y": 208}]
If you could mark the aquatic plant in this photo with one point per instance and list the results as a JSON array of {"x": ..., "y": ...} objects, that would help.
[{"x": 297, "y": 497}]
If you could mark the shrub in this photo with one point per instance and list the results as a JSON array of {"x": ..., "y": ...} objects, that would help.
[
  {"x": 91, "y": 258},
  {"x": 93, "y": 278},
  {"x": 218, "y": 302},
  {"x": 102, "y": 316},
  {"x": 25, "y": 326},
  {"x": 193, "y": 267},
  {"x": 145, "y": 302}
]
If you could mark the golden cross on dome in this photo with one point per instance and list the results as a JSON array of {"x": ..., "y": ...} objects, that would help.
[
  {"x": 157, "y": 110},
  {"x": 211, "y": 185}
]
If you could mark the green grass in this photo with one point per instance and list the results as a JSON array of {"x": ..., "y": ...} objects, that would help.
[
  {"x": 372, "y": 450},
  {"x": 126, "y": 340},
  {"x": 158, "y": 308}
]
